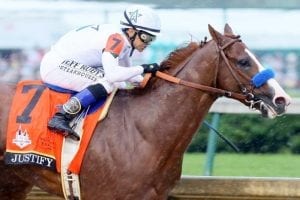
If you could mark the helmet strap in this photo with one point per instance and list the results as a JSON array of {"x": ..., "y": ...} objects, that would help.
[
  {"x": 132, "y": 38},
  {"x": 131, "y": 42}
]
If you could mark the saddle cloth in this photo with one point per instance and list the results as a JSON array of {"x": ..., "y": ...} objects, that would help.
[{"x": 29, "y": 141}]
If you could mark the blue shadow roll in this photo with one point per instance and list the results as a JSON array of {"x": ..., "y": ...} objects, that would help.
[{"x": 262, "y": 77}]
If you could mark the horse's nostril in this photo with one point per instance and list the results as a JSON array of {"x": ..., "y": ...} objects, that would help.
[{"x": 280, "y": 101}]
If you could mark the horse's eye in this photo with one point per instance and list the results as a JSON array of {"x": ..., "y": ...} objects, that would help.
[{"x": 244, "y": 63}]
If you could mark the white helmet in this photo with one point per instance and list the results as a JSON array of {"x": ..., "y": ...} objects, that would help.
[{"x": 141, "y": 18}]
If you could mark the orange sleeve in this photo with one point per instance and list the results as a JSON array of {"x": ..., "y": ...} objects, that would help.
[{"x": 114, "y": 44}]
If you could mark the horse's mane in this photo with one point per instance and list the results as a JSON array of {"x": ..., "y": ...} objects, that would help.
[
  {"x": 179, "y": 54},
  {"x": 171, "y": 61}
]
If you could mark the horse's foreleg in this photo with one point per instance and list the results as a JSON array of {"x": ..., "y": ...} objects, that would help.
[{"x": 11, "y": 186}]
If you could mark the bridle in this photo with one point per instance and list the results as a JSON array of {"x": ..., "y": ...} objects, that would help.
[{"x": 245, "y": 95}]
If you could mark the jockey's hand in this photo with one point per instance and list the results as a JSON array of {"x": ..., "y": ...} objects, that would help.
[{"x": 151, "y": 68}]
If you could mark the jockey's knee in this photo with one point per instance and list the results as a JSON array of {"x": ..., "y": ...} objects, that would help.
[{"x": 109, "y": 87}]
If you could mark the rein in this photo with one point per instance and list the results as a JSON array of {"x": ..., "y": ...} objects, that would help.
[{"x": 206, "y": 88}]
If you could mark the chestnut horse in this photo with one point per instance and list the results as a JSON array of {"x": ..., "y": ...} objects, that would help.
[{"x": 137, "y": 151}]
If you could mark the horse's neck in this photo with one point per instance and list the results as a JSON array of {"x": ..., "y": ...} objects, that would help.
[{"x": 174, "y": 112}]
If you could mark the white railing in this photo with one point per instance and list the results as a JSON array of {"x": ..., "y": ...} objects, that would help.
[{"x": 237, "y": 188}]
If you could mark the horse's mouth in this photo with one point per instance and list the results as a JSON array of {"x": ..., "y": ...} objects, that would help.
[{"x": 267, "y": 110}]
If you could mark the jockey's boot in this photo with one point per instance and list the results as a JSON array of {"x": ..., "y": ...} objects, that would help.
[{"x": 60, "y": 122}]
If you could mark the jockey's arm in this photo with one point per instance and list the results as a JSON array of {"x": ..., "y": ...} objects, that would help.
[
  {"x": 111, "y": 64},
  {"x": 141, "y": 83},
  {"x": 122, "y": 77},
  {"x": 114, "y": 72}
]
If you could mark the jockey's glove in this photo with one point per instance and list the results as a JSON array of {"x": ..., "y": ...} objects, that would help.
[{"x": 151, "y": 68}]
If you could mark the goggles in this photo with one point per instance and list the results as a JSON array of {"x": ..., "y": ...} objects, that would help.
[{"x": 145, "y": 37}]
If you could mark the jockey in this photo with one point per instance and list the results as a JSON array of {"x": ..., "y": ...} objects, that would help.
[{"x": 95, "y": 59}]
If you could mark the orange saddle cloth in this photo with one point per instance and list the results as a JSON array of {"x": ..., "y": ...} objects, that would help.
[{"x": 29, "y": 141}]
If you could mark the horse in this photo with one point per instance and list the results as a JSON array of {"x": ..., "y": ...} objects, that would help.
[{"x": 137, "y": 151}]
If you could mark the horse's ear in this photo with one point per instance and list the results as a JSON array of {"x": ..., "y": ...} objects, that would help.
[
  {"x": 218, "y": 37},
  {"x": 228, "y": 30}
]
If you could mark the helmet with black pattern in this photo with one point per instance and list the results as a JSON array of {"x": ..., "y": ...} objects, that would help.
[{"x": 141, "y": 18}]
